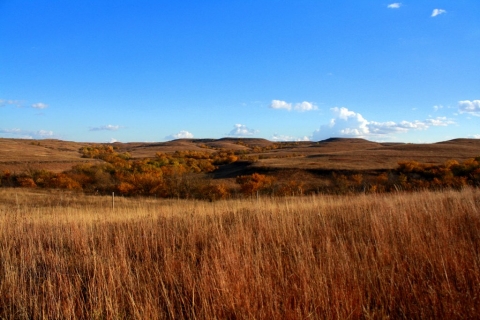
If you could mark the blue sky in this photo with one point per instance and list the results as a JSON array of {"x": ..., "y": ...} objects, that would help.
[{"x": 101, "y": 71}]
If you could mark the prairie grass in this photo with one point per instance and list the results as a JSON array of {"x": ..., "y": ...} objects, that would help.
[{"x": 404, "y": 255}]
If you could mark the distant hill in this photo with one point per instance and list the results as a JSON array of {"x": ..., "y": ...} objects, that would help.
[
  {"x": 330, "y": 154},
  {"x": 463, "y": 141}
]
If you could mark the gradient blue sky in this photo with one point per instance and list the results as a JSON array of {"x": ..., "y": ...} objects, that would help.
[{"x": 100, "y": 71}]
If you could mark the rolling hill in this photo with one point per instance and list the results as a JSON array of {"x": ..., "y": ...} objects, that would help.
[{"x": 332, "y": 154}]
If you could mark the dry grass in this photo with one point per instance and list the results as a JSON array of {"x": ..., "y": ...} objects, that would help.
[
  {"x": 332, "y": 154},
  {"x": 20, "y": 155},
  {"x": 323, "y": 257}
]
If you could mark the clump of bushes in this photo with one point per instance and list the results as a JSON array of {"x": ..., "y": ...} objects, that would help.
[{"x": 185, "y": 174}]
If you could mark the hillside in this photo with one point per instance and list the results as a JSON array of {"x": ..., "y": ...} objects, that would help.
[
  {"x": 332, "y": 154},
  {"x": 19, "y": 155}
]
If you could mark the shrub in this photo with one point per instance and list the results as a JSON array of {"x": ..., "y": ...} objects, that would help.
[{"x": 250, "y": 184}]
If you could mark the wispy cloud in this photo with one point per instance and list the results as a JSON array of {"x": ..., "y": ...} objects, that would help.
[
  {"x": 39, "y": 105},
  {"x": 25, "y": 134},
  {"x": 44, "y": 133},
  {"x": 241, "y": 130},
  {"x": 395, "y": 5},
  {"x": 19, "y": 104},
  {"x": 350, "y": 124},
  {"x": 108, "y": 127},
  {"x": 16, "y": 103},
  {"x": 15, "y": 131},
  {"x": 279, "y": 137},
  {"x": 470, "y": 107},
  {"x": 437, "y": 12},
  {"x": 181, "y": 135},
  {"x": 301, "y": 106}
]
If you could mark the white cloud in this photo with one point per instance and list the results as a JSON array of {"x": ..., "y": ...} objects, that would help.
[
  {"x": 113, "y": 140},
  {"x": 382, "y": 128},
  {"x": 395, "y": 5},
  {"x": 279, "y": 104},
  {"x": 108, "y": 127},
  {"x": 11, "y": 131},
  {"x": 349, "y": 124},
  {"x": 345, "y": 124},
  {"x": 470, "y": 107},
  {"x": 436, "y": 108},
  {"x": 301, "y": 106},
  {"x": 16, "y": 103},
  {"x": 280, "y": 137},
  {"x": 305, "y": 106},
  {"x": 241, "y": 130},
  {"x": 39, "y": 105},
  {"x": 24, "y": 134},
  {"x": 437, "y": 12},
  {"x": 181, "y": 135},
  {"x": 44, "y": 133},
  {"x": 475, "y": 136},
  {"x": 439, "y": 122}
]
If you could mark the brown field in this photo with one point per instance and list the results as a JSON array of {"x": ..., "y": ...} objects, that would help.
[
  {"x": 332, "y": 154},
  {"x": 19, "y": 155},
  {"x": 397, "y": 256}
]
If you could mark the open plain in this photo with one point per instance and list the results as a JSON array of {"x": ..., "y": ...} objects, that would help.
[{"x": 355, "y": 255}]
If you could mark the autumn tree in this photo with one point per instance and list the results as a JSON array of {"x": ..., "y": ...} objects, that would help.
[{"x": 250, "y": 184}]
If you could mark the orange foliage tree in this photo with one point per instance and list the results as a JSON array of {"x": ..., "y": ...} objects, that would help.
[
  {"x": 250, "y": 184},
  {"x": 185, "y": 174}
]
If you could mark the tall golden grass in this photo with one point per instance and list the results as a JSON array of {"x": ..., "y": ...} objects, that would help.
[{"x": 405, "y": 255}]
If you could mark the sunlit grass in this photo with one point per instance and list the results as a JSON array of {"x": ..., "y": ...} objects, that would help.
[{"x": 406, "y": 255}]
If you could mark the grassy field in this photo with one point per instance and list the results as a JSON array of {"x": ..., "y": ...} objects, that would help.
[
  {"x": 18, "y": 155},
  {"x": 406, "y": 255}
]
